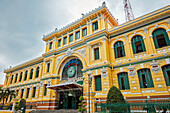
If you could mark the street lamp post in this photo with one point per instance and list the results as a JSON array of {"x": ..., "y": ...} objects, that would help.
[{"x": 89, "y": 81}]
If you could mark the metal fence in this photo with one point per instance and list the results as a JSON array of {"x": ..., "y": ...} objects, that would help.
[
  {"x": 21, "y": 108},
  {"x": 144, "y": 107},
  {"x": 5, "y": 107}
]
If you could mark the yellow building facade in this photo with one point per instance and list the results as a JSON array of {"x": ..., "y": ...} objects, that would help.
[{"x": 133, "y": 56}]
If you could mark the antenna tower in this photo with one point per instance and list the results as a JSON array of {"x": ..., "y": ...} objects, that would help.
[{"x": 128, "y": 10}]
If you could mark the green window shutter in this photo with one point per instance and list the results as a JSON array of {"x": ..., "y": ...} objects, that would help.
[
  {"x": 133, "y": 47},
  {"x": 37, "y": 72},
  {"x": 123, "y": 50},
  {"x": 155, "y": 40},
  {"x": 59, "y": 43},
  {"x": 31, "y": 73},
  {"x": 16, "y": 77},
  {"x": 28, "y": 90},
  {"x": 65, "y": 40},
  {"x": 117, "y": 45},
  {"x": 125, "y": 81},
  {"x": 138, "y": 39},
  {"x": 145, "y": 73},
  {"x": 26, "y": 73},
  {"x": 71, "y": 38},
  {"x": 166, "y": 72},
  {"x": 98, "y": 85},
  {"x": 166, "y": 36},
  {"x": 140, "y": 79},
  {"x": 45, "y": 89},
  {"x": 34, "y": 91},
  {"x": 11, "y": 79},
  {"x": 156, "y": 33},
  {"x": 115, "y": 48},
  {"x": 84, "y": 31},
  {"x": 96, "y": 53},
  {"x": 78, "y": 35},
  {"x": 143, "y": 45},
  {"x": 20, "y": 77},
  {"x": 95, "y": 25},
  {"x": 51, "y": 45}
]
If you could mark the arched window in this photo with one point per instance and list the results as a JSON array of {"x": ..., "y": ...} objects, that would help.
[
  {"x": 166, "y": 72},
  {"x": 16, "y": 77},
  {"x": 145, "y": 78},
  {"x": 37, "y": 72},
  {"x": 20, "y": 77},
  {"x": 138, "y": 44},
  {"x": 123, "y": 81},
  {"x": 160, "y": 38},
  {"x": 26, "y": 73},
  {"x": 31, "y": 73},
  {"x": 119, "y": 49}
]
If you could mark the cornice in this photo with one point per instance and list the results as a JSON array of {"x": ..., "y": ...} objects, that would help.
[
  {"x": 84, "y": 16},
  {"x": 33, "y": 61},
  {"x": 139, "y": 21},
  {"x": 97, "y": 34}
]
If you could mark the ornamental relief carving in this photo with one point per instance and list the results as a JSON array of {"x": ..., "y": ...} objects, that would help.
[
  {"x": 82, "y": 51},
  {"x": 132, "y": 71},
  {"x": 59, "y": 59},
  {"x": 155, "y": 67},
  {"x": 69, "y": 52},
  {"x": 49, "y": 82},
  {"x": 104, "y": 72}
]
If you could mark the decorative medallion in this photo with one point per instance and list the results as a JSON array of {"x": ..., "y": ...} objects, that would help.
[
  {"x": 69, "y": 52},
  {"x": 132, "y": 71},
  {"x": 41, "y": 83},
  {"x": 37, "y": 86},
  {"x": 82, "y": 51},
  {"x": 155, "y": 67},
  {"x": 104, "y": 72},
  {"x": 49, "y": 82}
]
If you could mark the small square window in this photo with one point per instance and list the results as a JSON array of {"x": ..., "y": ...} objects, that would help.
[
  {"x": 95, "y": 25},
  {"x": 78, "y": 35},
  {"x": 84, "y": 31},
  {"x": 65, "y": 40},
  {"x": 71, "y": 38},
  {"x": 59, "y": 43}
]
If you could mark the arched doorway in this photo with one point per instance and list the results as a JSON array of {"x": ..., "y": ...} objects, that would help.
[{"x": 70, "y": 88}]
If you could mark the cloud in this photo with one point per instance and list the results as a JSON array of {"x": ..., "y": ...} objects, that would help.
[{"x": 23, "y": 22}]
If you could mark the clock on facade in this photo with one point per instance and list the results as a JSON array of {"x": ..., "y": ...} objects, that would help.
[{"x": 71, "y": 71}]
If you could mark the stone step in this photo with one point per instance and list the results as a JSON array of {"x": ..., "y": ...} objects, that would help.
[{"x": 54, "y": 111}]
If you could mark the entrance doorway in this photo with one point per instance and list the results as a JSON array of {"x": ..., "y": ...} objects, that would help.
[{"x": 69, "y": 99}]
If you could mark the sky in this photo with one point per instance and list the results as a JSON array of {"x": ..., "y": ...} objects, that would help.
[{"x": 24, "y": 22}]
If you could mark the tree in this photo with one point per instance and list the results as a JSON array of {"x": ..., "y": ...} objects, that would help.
[
  {"x": 5, "y": 93},
  {"x": 81, "y": 106},
  {"x": 22, "y": 103},
  {"x": 115, "y": 100}
]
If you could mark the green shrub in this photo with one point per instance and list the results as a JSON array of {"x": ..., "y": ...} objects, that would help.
[
  {"x": 115, "y": 100},
  {"x": 17, "y": 107},
  {"x": 81, "y": 106},
  {"x": 22, "y": 103}
]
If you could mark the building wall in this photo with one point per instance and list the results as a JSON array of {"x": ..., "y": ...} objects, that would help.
[{"x": 107, "y": 66}]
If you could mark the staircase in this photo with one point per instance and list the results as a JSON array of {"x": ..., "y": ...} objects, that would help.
[{"x": 54, "y": 111}]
